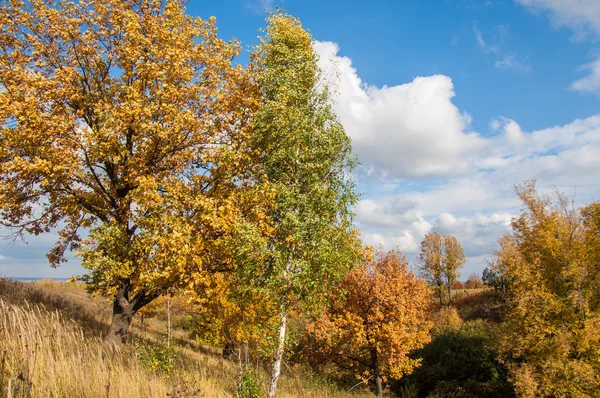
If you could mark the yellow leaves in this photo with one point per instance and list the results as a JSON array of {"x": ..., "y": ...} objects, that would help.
[
  {"x": 118, "y": 116},
  {"x": 440, "y": 258},
  {"x": 552, "y": 285}
]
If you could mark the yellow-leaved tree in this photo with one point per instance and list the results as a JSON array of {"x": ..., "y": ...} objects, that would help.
[
  {"x": 123, "y": 119},
  {"x": 440, "y": 259},
  {"x": 551, "y": 264},
  {"x": 240, "y": 320}
]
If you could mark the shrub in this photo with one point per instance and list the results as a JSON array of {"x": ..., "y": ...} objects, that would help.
[
  {"x": 158, "y": 356},
  {"x": 250, "y": 385},
  {"x": 459, "y": 362}
]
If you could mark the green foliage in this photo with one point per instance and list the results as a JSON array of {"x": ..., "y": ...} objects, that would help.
[
  {"x": 495, "y": 279},
  {"x": 158, "y": 356},
  {"x": 250, "y": 385},
  {"x": 305, "y": 158},
  {"x": 459, "y": 362}
]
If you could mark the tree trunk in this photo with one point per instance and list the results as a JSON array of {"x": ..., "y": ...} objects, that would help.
[
  {"x": 441, "y": 290},
  {"x": 228, "y": 349},
  {"x": 279, "y": 353},
  {"x": 121, "y": 320},
  {"x": 449, "y": 294},
  {"x": 168, "y": 322},
  {"x": 376, "y": 374},
  {"x": 123, "y": 311}
]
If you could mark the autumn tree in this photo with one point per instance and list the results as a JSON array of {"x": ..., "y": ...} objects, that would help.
[
  {"x": 122, "y": 119},
  {"x": 495, "y": 278},
  {"x": 378, "y": 315},
  {"x": 305, "y": 159},
  {"x": 440, "y": 260},
  {"x": 431, "y": 264},
  {"x": 474, "y": 282},
  {"x": 550, "y": 338},
  {"x": 454, "y": 259},
  {"x": 234, "y": 317}
]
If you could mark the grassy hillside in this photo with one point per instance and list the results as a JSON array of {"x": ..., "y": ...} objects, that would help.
[{"x": 51, "y": 345}]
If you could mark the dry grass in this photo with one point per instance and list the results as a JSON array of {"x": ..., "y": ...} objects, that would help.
[
  {"x": 43, "y": 355},
  {"x": 51, "y": 346},
  {"x": 460, "y": 293},
  {"x": 486, "y": 304}
]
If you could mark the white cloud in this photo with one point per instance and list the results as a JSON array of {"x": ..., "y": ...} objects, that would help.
[
  {"x": 510, "y": 61},
  {"x": 591, "y": 82},
  {"x": 403, "y": 241},
  {"x": 482, "y": 43},
  {"x": 511, "y": 131},
  {"x": 504, "y": 59},
  {"x": 405, "y": 132},
  {"x": 259, "y": 6},
  {"x": 477, "y": 208},
  {"x": 411, "y": 129},
  {"x": 583, "y": 17},
  {"x": 477, "y": 233}
]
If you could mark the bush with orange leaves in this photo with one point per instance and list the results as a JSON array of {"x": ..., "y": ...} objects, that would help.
[{"x": 377, "y": 316}]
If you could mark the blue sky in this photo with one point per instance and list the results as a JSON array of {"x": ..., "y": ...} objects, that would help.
[{"x": 448, "y": 103}]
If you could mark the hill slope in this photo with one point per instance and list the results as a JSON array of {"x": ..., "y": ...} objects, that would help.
[{"x": 51, "y": 345}]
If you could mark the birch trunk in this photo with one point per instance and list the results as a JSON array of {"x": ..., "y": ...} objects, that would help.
[{"x": 279, "y": 353}]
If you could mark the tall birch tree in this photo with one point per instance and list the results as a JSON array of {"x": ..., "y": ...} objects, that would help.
[{"x": 306, "y": 160}]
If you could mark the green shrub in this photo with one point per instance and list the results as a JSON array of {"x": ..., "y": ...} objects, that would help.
[
  {"x": 459, "y": 362},
  {"x": 158, "y": 356},
  {"x": 250, "y": 385}
]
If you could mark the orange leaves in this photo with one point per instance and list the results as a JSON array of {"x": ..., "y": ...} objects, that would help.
[{"x": 381, "y": 307}]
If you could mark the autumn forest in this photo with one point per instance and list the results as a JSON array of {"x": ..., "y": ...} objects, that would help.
[{"x": 222, "y": 190}]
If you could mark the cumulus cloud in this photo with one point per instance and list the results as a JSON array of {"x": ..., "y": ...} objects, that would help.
[
  {"x": 419, "y": 131},
  {"x": 514, "y": 134},
  {"x": 413, "y": 130}
]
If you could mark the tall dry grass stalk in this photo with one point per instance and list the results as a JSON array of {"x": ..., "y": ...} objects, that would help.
[
  {"x": 53, "y": 348},
  {"x": 42, "y": 355}
]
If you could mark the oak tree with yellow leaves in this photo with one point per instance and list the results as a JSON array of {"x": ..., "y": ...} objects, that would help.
[{"x": 123, "y": 119}]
